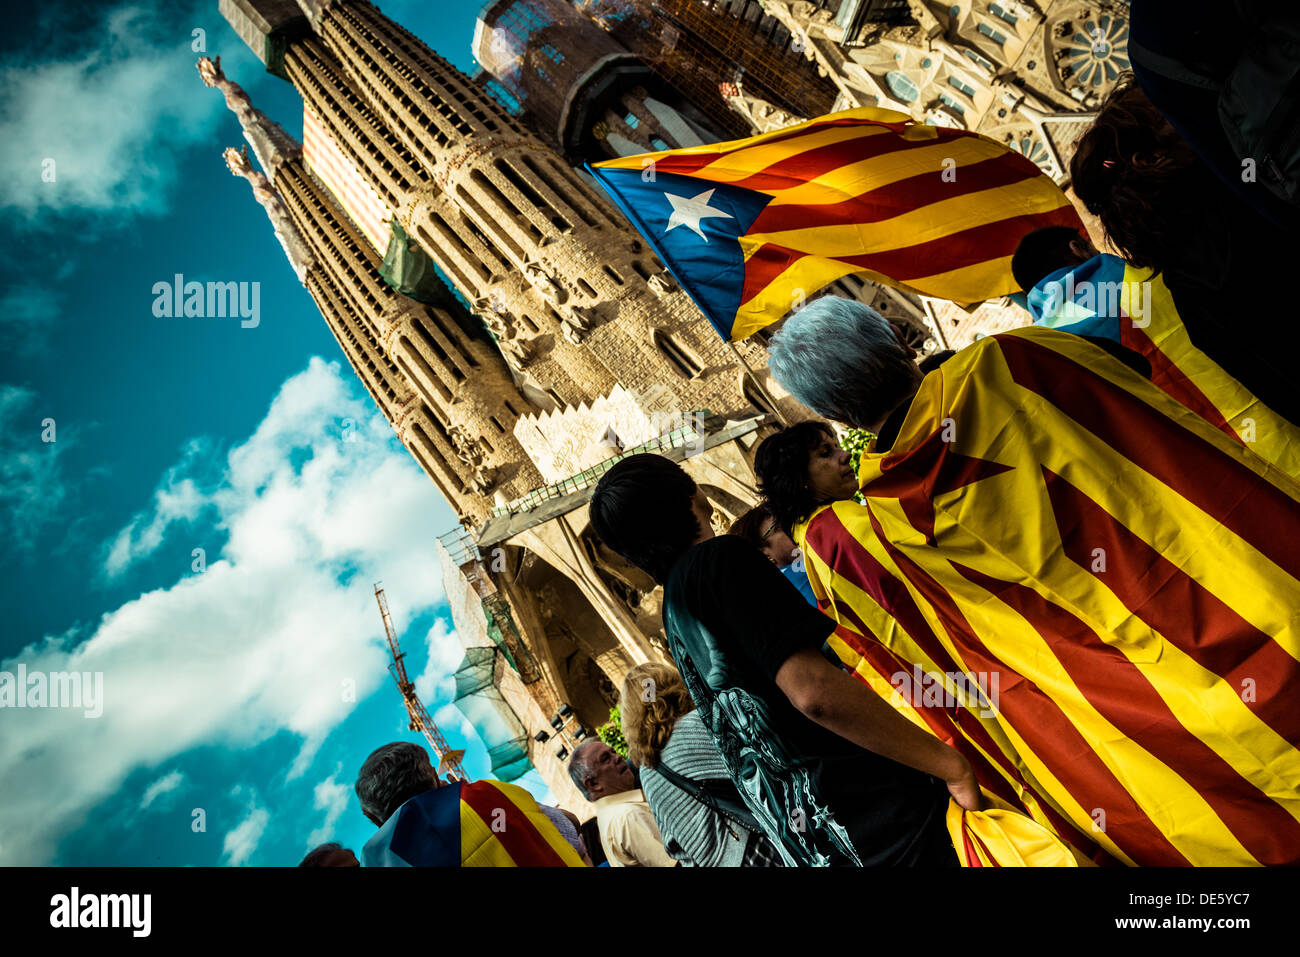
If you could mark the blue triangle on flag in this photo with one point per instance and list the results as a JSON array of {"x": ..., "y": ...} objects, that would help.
[{"x": 694, "y": 226}]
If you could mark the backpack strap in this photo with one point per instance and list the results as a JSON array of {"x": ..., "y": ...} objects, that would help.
[{"x": 719, "y": 795}]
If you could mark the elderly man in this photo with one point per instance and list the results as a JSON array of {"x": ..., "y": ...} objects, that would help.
[
  {"x": 1100, "y": 580},
  {"x": 426, "y": 822},
  {"x": 627, "y": 826}
]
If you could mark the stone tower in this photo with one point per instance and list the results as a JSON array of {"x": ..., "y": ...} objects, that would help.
[
  {"x": 584, "y": 91},
  {"x": 580, "y": 346},
  {"x": 447, "y": 392}
]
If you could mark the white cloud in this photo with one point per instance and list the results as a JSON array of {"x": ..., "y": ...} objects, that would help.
[
  {"x": 164, "y": 785},
  {"x": 177, "y": 499},
  {"x": 259, "y": 643},
  {"x": 330, "y": 796},
  {"x": 112, "y": 118},
  {"x": 242, "y": 840},
  {"x": 437, "y": 681}
]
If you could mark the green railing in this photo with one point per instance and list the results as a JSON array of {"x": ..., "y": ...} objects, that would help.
[{"x": 589, "y": 477}]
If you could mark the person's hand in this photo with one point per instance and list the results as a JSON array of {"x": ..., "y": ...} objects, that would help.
[{"x": 965, "y": 791}]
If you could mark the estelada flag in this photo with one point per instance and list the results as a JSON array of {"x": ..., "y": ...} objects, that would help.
[
  {"x": 463, "y": 824},
  {"x": 750, "y": 228},
  {"x": 1054, "y": 536},
  {"x": 1129, "y": 305}
]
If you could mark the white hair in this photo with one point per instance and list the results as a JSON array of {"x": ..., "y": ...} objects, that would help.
[{"x": 843, "y": 360}]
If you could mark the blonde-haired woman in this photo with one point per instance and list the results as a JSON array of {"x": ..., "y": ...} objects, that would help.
[{"x": 700, "y": 814}]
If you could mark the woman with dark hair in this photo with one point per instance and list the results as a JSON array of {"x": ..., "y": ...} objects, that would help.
[
  {"x": 802, "y": 468},
  {"x": 1164, "y": 210}
]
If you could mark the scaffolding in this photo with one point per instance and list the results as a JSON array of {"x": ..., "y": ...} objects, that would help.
[{"x": 483, "y": 705}]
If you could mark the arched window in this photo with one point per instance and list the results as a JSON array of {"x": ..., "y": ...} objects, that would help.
[
  {"x": 681, "y": 360},
  {"x": 902, "y": 86}
]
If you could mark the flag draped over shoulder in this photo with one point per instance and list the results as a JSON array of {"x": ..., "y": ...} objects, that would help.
[
  {"x": 752, "y": 227},
  {"x": 1119, "y": 578},
  {"x": 478, "y": 824},
  {"x": 1106, "y": 297}
]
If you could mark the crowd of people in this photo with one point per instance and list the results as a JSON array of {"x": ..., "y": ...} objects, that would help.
[{"x": 1100, "y": 510}]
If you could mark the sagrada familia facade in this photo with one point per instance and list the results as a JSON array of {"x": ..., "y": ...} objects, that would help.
[{"x": 516, "y": 331}]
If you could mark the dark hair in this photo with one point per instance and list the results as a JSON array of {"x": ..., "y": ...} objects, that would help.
[
  {"x": 1041, "y": 253},
  {"x": 391, "y": 776},
  {"x": 316, "y": 856},
  {"x": 782, "y": 466},
  {"x": 1134, "y": 172},
  {"x": 642, "y": 509},
  {"x": 750, "y": 525}
]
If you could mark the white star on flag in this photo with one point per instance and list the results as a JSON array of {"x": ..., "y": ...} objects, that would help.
[{"x": 689, "y": 212}]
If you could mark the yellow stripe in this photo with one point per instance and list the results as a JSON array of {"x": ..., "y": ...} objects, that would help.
[
  {"x": 916, "y": 131},
  {"x": 528, "y": 805},
  {"x": 935, "y": 221},
  {"x": 1266, "y": 433},
  {"x": 744, "y": 163},
  {"x": 854, "y": 179},
  {"x": 487, "y": 850}
]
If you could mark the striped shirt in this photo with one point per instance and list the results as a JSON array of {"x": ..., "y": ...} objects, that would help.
[{"x": 692, "y": 833}]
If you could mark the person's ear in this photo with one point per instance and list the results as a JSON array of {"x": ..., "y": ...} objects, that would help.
[
  {"x": 1083, "y": 249},
  {"x": 901, "y": 336}
]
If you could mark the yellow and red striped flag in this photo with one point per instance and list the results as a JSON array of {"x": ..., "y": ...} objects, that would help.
[
  {"x": 752, "y": 227},
  {"x": 470, "y": 824},
  {"x": 1119, "y": 578}
]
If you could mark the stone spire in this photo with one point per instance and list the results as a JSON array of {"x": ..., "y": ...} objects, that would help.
[
  {"x": 271, "y": 144},
  {"x": 300, "y": 257}
]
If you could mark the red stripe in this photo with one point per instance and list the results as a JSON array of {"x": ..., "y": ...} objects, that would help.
[
  {"x": 972, "y": 858},
  {"x": 902, "y": 196},
  {"x": 1046, "y": 729},
  {"x": 693, "y": 162},
  {"x": 931, "y": 469},
  {"x": 966, "y": 247},
  {"x": 944, "y": 723},
  {"x": 1178, "y": 607},
  {"x": 837, "y": 547},
  {"x": 976, "y": 838},
  {"x": 1125, "y": 697},
  {"x": 1212, "y": 480},
  {"x": 521, "y": 839},
  {"x": 1173, "y": 380},
  {"x": 804, "y": 167}
]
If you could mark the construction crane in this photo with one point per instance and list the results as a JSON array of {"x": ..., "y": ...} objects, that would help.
[{"x": 448, "y": 759}]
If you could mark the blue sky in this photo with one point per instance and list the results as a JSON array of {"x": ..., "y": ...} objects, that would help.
[{"x": 224, "y": 688}]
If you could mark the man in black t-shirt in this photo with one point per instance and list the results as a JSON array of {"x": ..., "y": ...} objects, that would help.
[{"x": 833, "y": 773}]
